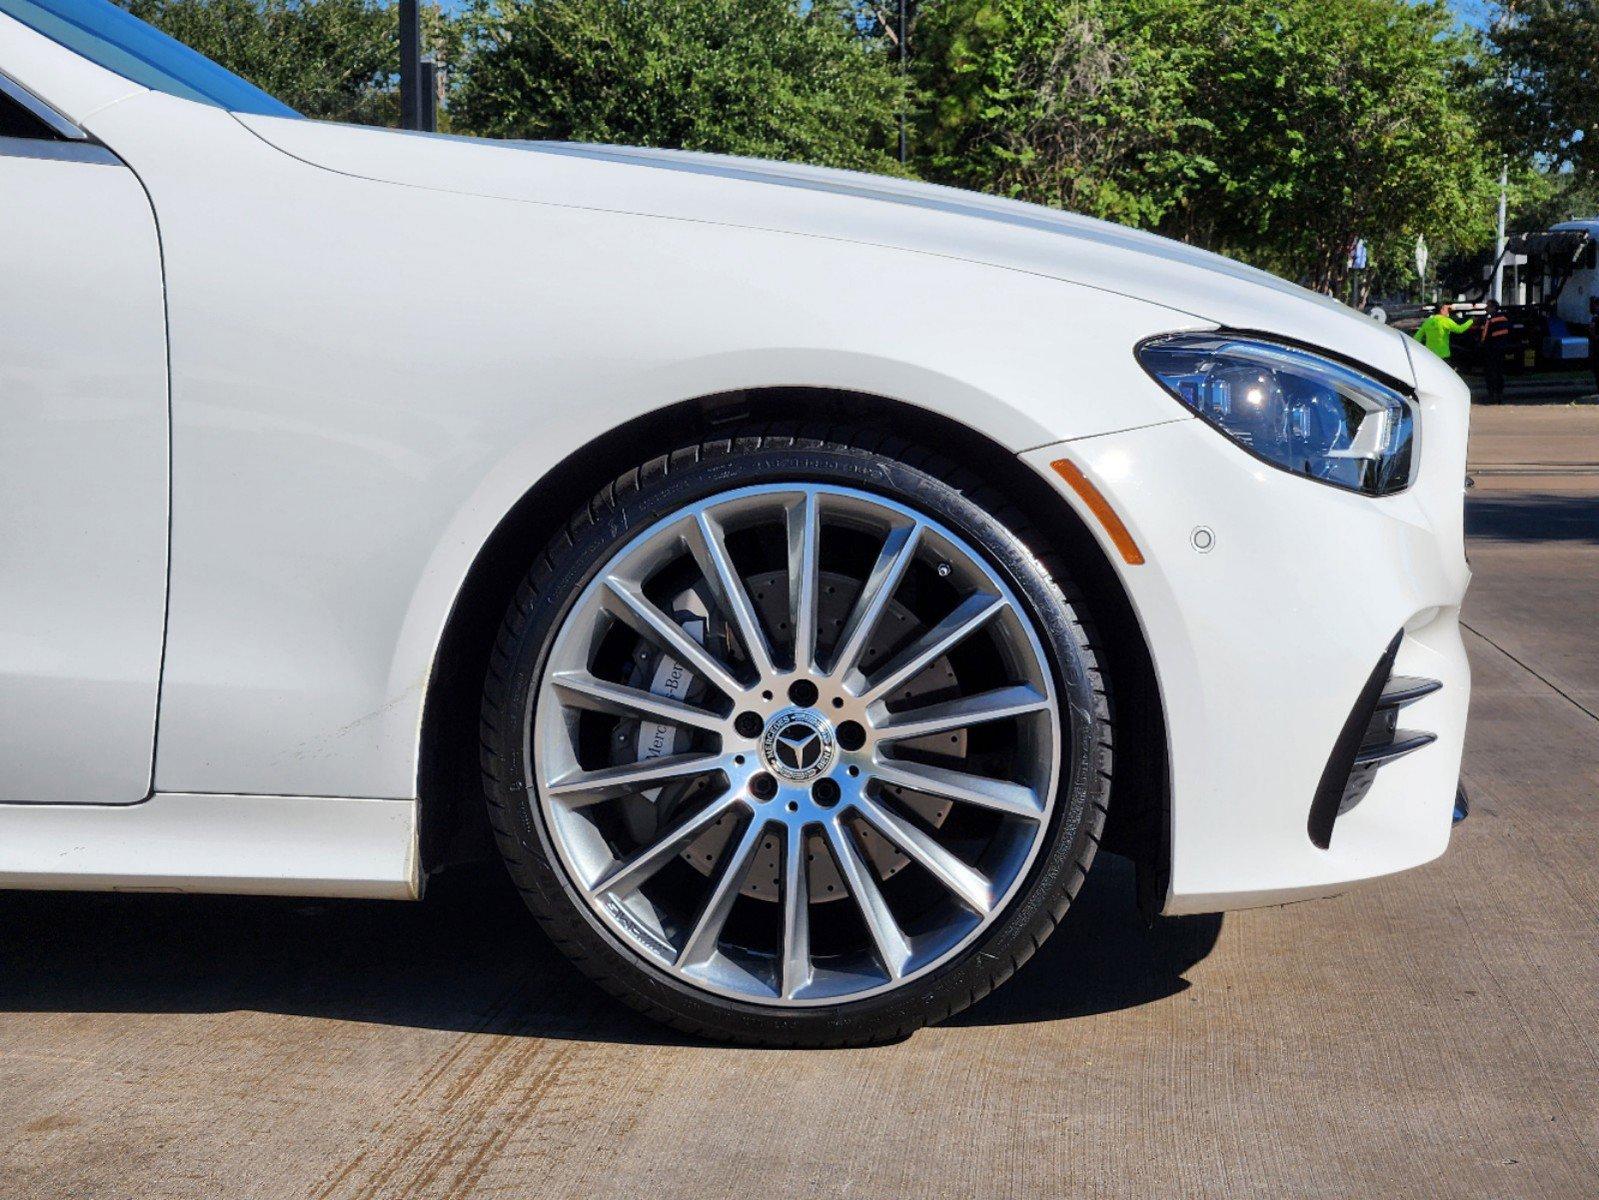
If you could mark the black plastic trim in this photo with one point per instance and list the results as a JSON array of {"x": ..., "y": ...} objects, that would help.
[
  {"x": 1330, "y": 791},
  {"x": 1405, "y": 740},
  {"x": 1406, "y": 689}
]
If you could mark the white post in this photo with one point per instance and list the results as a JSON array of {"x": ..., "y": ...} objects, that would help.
[{"x": 1499, "y": 244}]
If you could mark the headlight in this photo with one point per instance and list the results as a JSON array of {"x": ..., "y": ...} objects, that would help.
[{"x": 1307, "y": 414}]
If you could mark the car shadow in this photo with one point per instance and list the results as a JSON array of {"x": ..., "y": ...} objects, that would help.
[
  {"x": 1105, "y": 957},
  {"x": 1533, "y": 517},
  {"x": 469, "y": 959}
]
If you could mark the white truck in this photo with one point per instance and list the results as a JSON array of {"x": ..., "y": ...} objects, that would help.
[
  {"x": 1551, "y": 286},
  {"x": 1582, "y": 284}
]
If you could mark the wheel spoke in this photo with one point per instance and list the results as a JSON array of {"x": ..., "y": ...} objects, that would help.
[
  {"x": 710, "y": 552},
  {"x": 628, "y": 875},
  {"x": 970, "y": 615},
  {"x": 797, "y": 969},
  {"x": 887, "y": 937},
  {"x": 898, "y": 550},
  {"x": 577, "y": 789},
  {"x": 997, "y": 794},
  {"x": 701, "y": 944},
  {"x": 582, "y": 690},
  {"x": 626, "y": 601},
  {"x": 804, "y": 572},
  {"x": 962, "y": 713},
  {"x": 970, "y": 886}
]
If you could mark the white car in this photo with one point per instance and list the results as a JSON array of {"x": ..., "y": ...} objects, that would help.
[{"x": 812, "y": 570}]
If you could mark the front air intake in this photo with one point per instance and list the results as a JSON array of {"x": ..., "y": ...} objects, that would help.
[{"x": 1370, "y": 739}]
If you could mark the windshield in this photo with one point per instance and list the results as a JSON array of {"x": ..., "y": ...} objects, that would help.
[{"x": 117, "y": 40}]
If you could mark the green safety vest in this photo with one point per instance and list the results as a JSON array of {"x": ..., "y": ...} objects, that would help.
[{"x": 1435, "y": 330}]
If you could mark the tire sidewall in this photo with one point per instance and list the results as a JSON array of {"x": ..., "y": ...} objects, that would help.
[{"x": 536, "y": 866}]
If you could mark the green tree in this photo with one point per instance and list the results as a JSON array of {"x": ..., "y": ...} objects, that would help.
[
  {"x": 1328, "y": 122},
  {"x": 1547, "y": 59},
  {"x": 1541, "y": 198},
  {"x": 1274, "y": 130},
  {"x": 1062, "y": 102},
  {"x": 335, "y": 59},
  {"x": 768, "y": 78}
]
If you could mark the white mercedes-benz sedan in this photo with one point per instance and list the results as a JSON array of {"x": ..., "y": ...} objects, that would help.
[{"x": 794, "y": 576}]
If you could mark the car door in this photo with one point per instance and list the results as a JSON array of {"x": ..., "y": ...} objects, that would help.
[{"x": 83, "y": 465}]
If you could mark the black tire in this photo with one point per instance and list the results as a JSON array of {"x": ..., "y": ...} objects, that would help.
[{"x": 872, "y": 462}]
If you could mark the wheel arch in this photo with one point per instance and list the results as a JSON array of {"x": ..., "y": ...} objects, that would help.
[{"x": 454, "y": 826}]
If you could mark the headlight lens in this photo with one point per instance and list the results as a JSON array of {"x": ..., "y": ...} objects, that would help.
[{"x": 1307, "y": 414}]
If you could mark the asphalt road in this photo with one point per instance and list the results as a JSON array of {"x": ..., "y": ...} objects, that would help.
[{"x": 1431, "y": 1035}]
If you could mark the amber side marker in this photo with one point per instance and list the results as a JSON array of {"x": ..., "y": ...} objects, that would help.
[{"x": 1100, "y": 507}]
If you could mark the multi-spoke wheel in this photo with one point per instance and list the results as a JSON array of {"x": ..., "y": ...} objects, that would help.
[{"x": 780, "y": 743}]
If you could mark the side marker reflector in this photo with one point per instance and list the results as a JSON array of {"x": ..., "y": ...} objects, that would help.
[{"x": 1100, "y": 507}]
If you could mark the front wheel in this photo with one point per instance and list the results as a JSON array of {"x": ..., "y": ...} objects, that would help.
[{"x": 797, "y": 742}]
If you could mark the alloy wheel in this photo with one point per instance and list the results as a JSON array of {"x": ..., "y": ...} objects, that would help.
[{"x": 795, "y": 744}]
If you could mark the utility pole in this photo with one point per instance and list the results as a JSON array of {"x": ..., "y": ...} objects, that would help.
[
  {"x": 1499, "y": 244},
  {"x": 1504, "y": 183},
  {"x": 411, "y": 99},
  {"x": 904, "y": 25}
]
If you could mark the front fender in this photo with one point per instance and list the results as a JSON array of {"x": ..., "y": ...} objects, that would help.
[{"x": 367, "y": 377}]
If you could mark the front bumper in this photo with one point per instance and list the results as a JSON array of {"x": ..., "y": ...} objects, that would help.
[{"x": 1266, "y": 600}]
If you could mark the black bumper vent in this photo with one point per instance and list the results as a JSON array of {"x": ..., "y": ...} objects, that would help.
[{"x": 1370, "y": 738}]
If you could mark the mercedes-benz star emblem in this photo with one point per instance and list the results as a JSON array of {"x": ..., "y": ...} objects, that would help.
[{"x": 798, "y": 745}]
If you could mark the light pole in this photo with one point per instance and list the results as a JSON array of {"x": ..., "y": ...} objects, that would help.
[
  {"x": 904, "y": 141},
  {"x": 418, "y": 101},
  {"x": 1504, "y": 184},
  {"x": 1499, "y": 243}
]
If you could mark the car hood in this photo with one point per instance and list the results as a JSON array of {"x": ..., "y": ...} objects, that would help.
[{"x": 844, "y": 205}]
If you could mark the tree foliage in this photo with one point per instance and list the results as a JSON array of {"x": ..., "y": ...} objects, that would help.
[
  {"x": 1276, "y": 130},
  {"x": 1336, "y": 121},
  {"x": 324, "y": 58},
  {"x": 1062, "y": 102},
  {"x": 1547, "y": 55},
  {"x": 769, "y": 78}
]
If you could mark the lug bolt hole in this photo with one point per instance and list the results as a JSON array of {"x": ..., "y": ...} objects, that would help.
[
  {"x": 838, "y": 702},
  {"x": 854, "y": 771},
  {"x": 851, "y": 735},
  {"x": 825, "y": 792},
  {"x": 748, "y": 724},
  {"x": 802, "y": 692},
  {"x": 763, "y": 787},
  {"x": 793, "y": 806}
]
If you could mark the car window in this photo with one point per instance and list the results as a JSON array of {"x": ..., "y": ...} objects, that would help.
[
  {"x": 17, "y": 122},
  {"x": 120, "y": 42}
]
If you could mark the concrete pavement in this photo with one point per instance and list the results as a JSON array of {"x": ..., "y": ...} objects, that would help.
[{"x": 1433, "y": 1035}]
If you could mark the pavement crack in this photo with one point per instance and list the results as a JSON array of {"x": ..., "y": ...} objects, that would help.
[{"x": 1541, "y": 678}]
